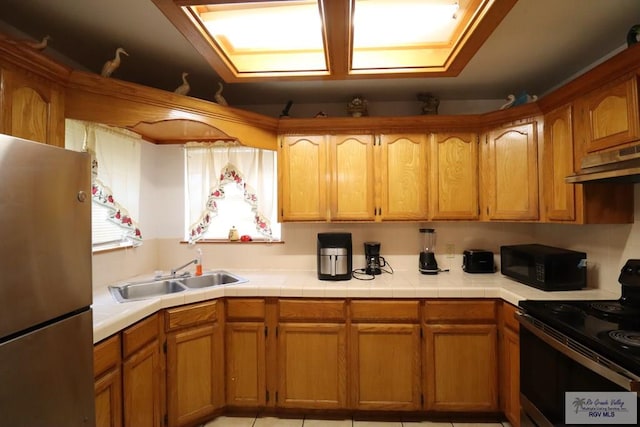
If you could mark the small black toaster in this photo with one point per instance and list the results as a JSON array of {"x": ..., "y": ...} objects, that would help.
[{"x": 478, "y": 261}]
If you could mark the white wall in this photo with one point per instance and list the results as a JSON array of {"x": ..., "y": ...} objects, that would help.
[{"x": 162, "y": 223}]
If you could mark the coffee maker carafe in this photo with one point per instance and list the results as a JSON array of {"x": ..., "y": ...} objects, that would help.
[
  {"x": 428, "y": 263},
  {"x": 372, "y": 258}
]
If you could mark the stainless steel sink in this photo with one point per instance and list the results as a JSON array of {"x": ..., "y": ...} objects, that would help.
[
  {"x": 213, "y": 278},
  {"x": 144, "y": 290},
  {"x": 133, "y": 291}
]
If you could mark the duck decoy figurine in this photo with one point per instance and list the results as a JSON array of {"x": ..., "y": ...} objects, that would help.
[
  {"x": 632, "y": 35},
  {"x": 110, "y": 66},
  {"x": 218, "y": 96},
  {"x": 38, "y": 45},
  {"x": 184, "y": 88}
]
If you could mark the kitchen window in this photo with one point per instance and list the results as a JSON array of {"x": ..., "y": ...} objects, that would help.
[
  {"x": 228, "y": 185},
  {"x": 115, "y": 182}
]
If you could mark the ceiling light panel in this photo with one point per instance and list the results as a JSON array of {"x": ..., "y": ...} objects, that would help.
[{"x": 258, "y": 37}]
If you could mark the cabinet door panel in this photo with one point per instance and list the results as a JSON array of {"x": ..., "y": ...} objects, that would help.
[
  {"x": 32, "y": 108},
  {"x": 108, "y": 390},
  {"x": 303, "y": 178},
  {"x": 461, "y": 367},
  {"x": 511, "y": 382},
  {"x": 454, "y": 176},
  {"x": 404, "y": 177},
  {"x": 374, "y": 348},
  {"x": 558, "y": 163},
  {"x": 312, "y": 366},
  {"x": 352, "y": 179},
  {"x": 194, "y": 374},
  {"x": 245, "y": 361},
  {"x": 512, "y": 173},
  {"x": 141, "y": 388},
  {"x": 612, "y": 115}
]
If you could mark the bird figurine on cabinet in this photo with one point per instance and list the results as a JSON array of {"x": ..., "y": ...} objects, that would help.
[
  {"x": 632, "y": 35},
  {"x": 218, "y": 95},
  {"x": 38, "y": 45},
  {"x": 110, "y": 66},
  {"x": 184, "y": 88}
]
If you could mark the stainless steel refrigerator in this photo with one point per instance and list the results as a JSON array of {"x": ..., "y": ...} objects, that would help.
[{"x": 46, "y": 333}]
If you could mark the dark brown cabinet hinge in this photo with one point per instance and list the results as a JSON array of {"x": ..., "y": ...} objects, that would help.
[
  {"x": 267, "y": 396},
  {"x": 421, "y": 400},
  {"x": 276, "y": 397},
  {"x": 164, "y": 346},
  {"x": 266, "y": 331}
]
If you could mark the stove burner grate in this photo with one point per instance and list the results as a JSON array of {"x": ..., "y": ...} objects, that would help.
[
  {"x": 630, "y": 338},
  {"x": 608, "y": 307},
  {"x": 563, "y": 309}
]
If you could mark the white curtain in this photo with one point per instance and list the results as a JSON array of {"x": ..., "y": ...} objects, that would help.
[
  {"x": 211, "y": 166},
  {"x": 116, "y": 159}
]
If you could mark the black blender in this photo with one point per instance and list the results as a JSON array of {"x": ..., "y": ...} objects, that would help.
[{"x": 428, "y": 263}]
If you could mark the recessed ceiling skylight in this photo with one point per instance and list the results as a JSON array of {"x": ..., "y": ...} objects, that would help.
[{"x": 335, "y": 39}]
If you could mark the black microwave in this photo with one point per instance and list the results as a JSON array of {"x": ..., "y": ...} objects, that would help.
[{"x": 544, "y": 267}]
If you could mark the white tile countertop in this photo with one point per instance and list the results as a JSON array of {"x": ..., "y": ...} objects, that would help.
[{"x": 110, "y": 316}]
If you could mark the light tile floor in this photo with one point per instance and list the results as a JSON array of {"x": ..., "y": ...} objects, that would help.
[{"x": 309, "y": 422}]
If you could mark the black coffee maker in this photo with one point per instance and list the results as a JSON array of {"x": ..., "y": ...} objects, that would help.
[{"x": 372, "y": 258}]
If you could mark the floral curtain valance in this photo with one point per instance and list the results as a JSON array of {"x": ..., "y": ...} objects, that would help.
[
  {"x": 115, "y": 171},
  {"x": 211, "y": 167}
]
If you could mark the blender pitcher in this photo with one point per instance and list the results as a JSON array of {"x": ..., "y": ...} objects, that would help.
[{"x": 428, "y": 263}]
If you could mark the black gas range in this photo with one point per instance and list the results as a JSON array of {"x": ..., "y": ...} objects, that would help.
[{"x": 578, "y": 346}]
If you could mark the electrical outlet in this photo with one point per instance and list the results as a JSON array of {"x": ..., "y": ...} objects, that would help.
[{"x": 450, "y": 249}]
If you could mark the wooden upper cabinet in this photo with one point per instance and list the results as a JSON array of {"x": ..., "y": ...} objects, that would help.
[
  {"x": 454, "y": 176},
  {"x": 558, "y": 163},
  {"x": 303, "y": 178},
  {"x": 610, "y": 115},
  {"x": 403, "y": 176},
  {"x": 510, "y": 173},
  {"x": 32, "y": 108},
  {"x": 352, "y": 180}
]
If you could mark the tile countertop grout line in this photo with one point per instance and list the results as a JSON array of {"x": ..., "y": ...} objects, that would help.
[{"x": 110, "y": 316}]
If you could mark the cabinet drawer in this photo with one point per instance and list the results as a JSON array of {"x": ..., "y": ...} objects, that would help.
[
  {"x": 316, "y": 310},
  {"x": 140, "y": 334},
  {"x": 106, "y": 355},
  {"x": 509, "y": 318},
  {"x": 190, "y": 315},
  {"x": 245, "y": 309},
  {"x": 460, "y": 311},
  {"x": 385, "y": 311}
]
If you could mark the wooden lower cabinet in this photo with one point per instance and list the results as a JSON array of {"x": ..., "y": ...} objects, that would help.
[
  {"x": 108, "y": 382},
  {"x": 195, "y": 363},
  {"x": 431, "y": 355},
  {"x": 510, "y": 365},
  {"x": 245, "y": 352},
  {"x": 385, "y": 366},
  {"x": 461, "y": 356},
  {"x": 141, "y": 374},
  {"x": 312, "y": 371}
]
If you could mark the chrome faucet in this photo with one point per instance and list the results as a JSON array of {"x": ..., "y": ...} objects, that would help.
[{"x": 175, "y": 270}]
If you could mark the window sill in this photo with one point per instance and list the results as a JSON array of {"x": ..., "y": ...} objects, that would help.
[
  {"x": 110, "y": 248},
  {"x": 237, "y": 242}
]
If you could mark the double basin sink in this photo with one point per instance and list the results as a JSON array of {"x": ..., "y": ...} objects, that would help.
[{"x": 133, "y": 291}]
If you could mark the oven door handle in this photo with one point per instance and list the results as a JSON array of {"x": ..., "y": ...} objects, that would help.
[{"x": 579, "y": 353}]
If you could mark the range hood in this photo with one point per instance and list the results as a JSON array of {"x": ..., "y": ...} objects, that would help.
[{"x": 621, "y": 165}]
